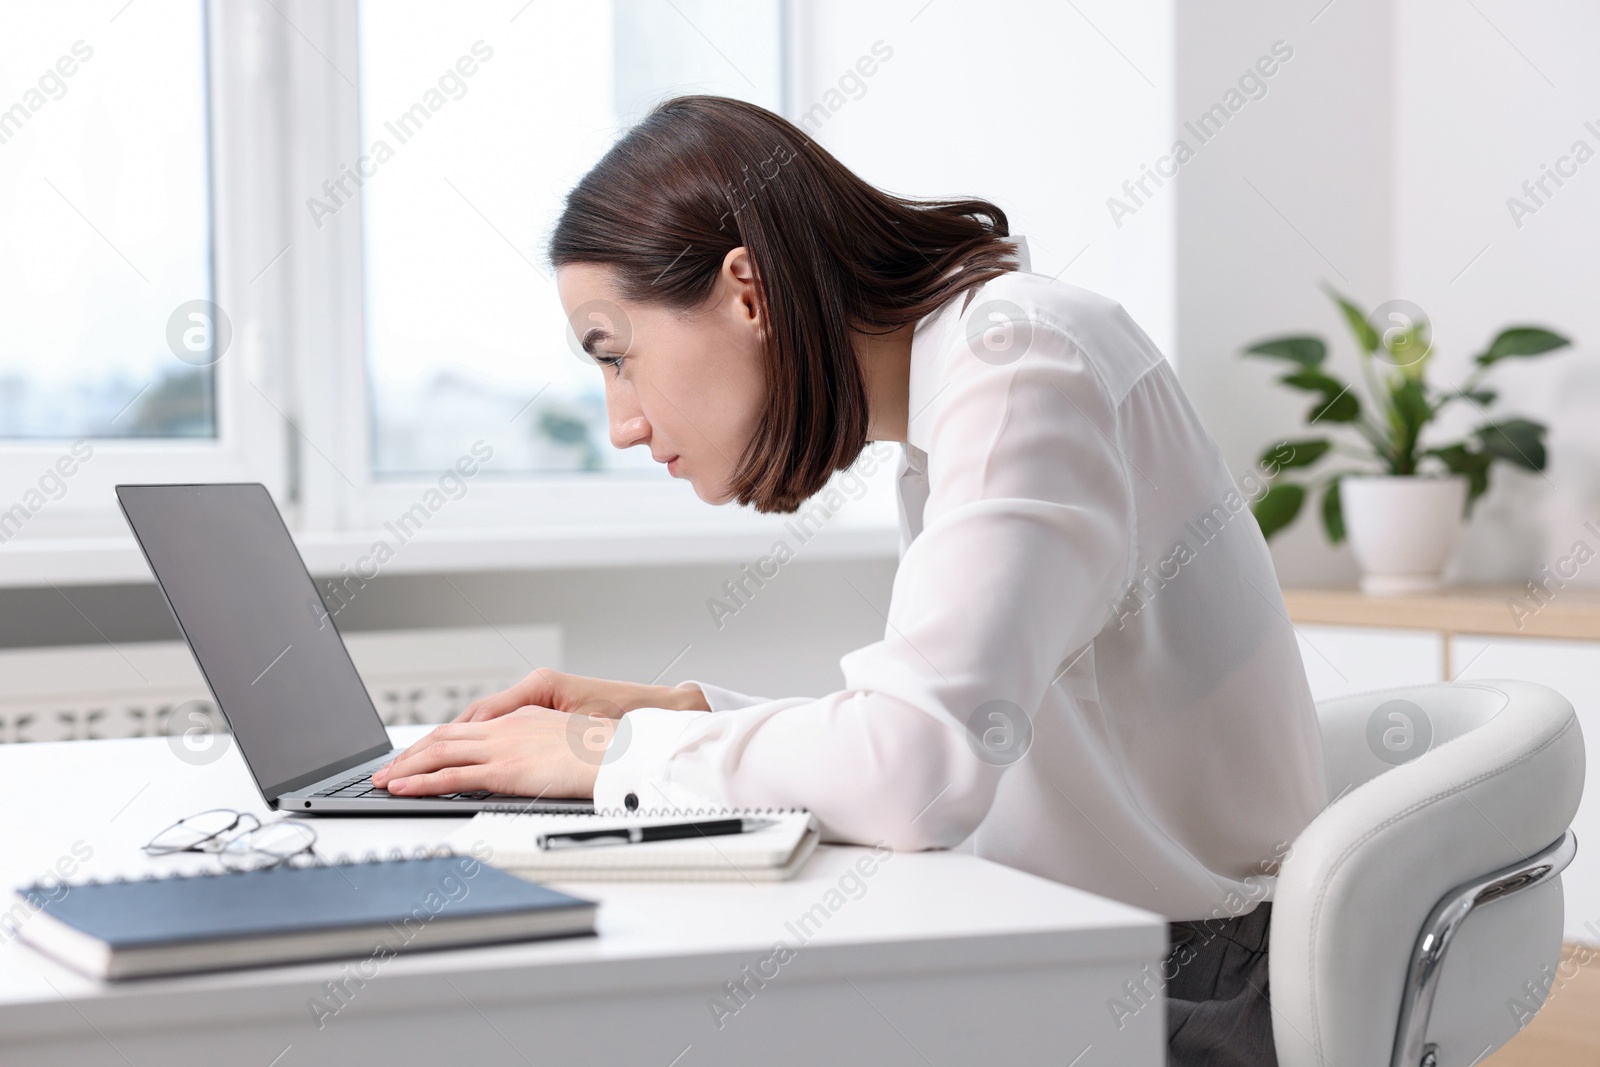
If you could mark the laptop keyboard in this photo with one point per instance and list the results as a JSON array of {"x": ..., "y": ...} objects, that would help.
[{"x": 361, "y": 786}]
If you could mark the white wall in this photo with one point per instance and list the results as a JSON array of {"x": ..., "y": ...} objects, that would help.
[
  {"x": 1043, "y": 108},
  {"x": 1295, "y": 191},
  {"x": 1485, "y": 99},
  {"x": 623, "y": 622},
  {"x": 653, "y": 623}
]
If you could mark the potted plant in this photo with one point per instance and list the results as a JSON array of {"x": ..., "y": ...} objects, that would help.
[{"x": 1402, "y": 506}]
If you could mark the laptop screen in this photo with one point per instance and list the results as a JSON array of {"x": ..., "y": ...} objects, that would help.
[{"x": 252, "y": 615}]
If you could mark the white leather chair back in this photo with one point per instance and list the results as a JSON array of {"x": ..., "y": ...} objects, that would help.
[{"x": 1436, "y": 786}]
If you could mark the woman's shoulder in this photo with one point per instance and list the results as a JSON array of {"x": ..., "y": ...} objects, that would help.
[
  {"x": 1050, "y": 299},
  {"x": 1019, "y": 314}
]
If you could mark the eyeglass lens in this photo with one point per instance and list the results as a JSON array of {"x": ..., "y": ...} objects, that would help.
[{"x": 200, "y": 832}]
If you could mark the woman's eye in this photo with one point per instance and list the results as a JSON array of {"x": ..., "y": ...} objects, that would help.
[{"x": 614, "y": 362}]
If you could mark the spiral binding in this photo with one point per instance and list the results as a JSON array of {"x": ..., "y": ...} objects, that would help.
[{"x": 343, "y": 859}]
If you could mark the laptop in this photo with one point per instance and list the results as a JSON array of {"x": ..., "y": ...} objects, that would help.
[{"x": 272, "y": 657}]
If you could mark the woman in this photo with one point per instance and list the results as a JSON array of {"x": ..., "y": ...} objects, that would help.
[{"x": 1087, "y": 668}]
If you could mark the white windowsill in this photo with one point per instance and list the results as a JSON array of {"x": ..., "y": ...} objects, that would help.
[{"x": 116, "y": 559}]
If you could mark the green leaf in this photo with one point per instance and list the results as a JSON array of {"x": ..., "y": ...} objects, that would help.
[
  {"x": 1313, "y": 381},
  {"x": 1411, "y": 405},
  {"x": 1481, "y": 396},
  {"x": 1519, "y": 441},
  {"x": 1287, "y": 455},
  {"x": 1306, "y": 351},
  {"x": 1340, "y": 407},
  {"x": 1410, "y": 347},
  {"x": 1475, "y": 465},
  {"x": 1412, "y": 412},
  {"x": 1521, "y": 341},
  {"x": 1278, "y": 507},
  {"x": 1338, "y": 403},
  {"x": 1366, "y": 336},
  {"x": 1333, "y": 511}
]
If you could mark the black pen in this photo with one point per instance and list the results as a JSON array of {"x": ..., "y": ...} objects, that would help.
[{"x": 633, "y": 835}]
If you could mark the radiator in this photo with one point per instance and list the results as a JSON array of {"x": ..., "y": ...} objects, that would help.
[{"x": 154, "y": 688}]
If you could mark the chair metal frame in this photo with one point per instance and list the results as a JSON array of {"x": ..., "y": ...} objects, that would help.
[{"x": 1411, "y": 1048}]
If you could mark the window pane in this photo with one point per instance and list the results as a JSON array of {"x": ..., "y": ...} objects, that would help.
[
  {"x": 105, "y": 215},
  {"x": 476, "y": 120}
]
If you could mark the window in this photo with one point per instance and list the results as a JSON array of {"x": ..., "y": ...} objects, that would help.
[
  {"x": 303, "y": 244},
  {"x": 107, "y": 226},
  {"x": 473, "y": 127},
  {"x": 116, "y": 362}
]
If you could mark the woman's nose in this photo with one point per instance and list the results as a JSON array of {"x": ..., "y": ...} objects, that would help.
[{"x": 628, "y": 430}]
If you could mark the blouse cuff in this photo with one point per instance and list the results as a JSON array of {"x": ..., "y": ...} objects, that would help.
[
  {"x": 633, "y": 774},
  {"x": 720, "y": 699}
]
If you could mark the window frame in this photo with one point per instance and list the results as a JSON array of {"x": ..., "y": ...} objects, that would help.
[
  {"x": 342, "y": 493},
  {"x": 249, "y": 442},
  {"x": 296, "y": 415}
]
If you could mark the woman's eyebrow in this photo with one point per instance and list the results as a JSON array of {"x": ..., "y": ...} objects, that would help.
[{"x": 593, "y": 337}]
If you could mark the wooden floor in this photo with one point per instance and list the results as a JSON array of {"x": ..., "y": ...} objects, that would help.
[{"x": 1566, "y": 1032}]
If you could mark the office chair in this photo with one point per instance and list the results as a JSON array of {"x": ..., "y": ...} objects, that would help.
[{"x": 1417, "y": 920}]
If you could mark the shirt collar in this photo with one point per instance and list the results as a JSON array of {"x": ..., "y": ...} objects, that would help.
[
  {"x": 929, "y": 341},
  {"x": 930, "y": 344}
]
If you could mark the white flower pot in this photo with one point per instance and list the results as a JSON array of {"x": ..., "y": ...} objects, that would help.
[{"x": 1402, "y": 529}]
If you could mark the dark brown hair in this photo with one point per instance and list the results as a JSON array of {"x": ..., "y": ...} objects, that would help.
[{"x": 703, "y": 175}]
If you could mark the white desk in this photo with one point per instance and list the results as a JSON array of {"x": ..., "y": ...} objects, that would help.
[{"x": 942, "y": 959}]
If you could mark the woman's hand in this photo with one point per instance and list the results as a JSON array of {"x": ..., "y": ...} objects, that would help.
[
  {"x": 546, "y": 736},
  {"x": 546, "y": 688},
  {"x": 529, "y": 752}
]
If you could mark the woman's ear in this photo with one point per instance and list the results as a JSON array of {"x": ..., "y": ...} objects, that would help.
[{"x": 739, "y": 274}]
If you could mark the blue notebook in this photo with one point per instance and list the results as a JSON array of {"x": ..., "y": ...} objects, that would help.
[{"x": 377, "y": 908}]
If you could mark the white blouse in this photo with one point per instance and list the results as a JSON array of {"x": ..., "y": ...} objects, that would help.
[{"x": 1087, "y": 668}]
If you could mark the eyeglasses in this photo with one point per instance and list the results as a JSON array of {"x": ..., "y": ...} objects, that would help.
[{"x": 239, "y": 840}]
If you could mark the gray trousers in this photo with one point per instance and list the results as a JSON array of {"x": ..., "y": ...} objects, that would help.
[{"x": 1218, "y": 1014}]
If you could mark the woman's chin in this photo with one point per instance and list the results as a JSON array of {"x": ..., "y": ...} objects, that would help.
[{"x": 718, "y": 496}]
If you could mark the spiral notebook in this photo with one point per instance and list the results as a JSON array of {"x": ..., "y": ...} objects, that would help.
[
  {"x": 373, "y": 908},
  {"x": 773, "y": 854}
]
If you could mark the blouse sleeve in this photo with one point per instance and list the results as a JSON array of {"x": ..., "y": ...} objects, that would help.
[
  {"x": 1024, "y": 548},
  {"x": 720, "y": 699}
]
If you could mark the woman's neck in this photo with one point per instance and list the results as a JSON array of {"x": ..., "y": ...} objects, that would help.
[{"x": 886, "y": 370}]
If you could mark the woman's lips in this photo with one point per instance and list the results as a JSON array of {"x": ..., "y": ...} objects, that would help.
[{"x": 672, "y": 466}]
